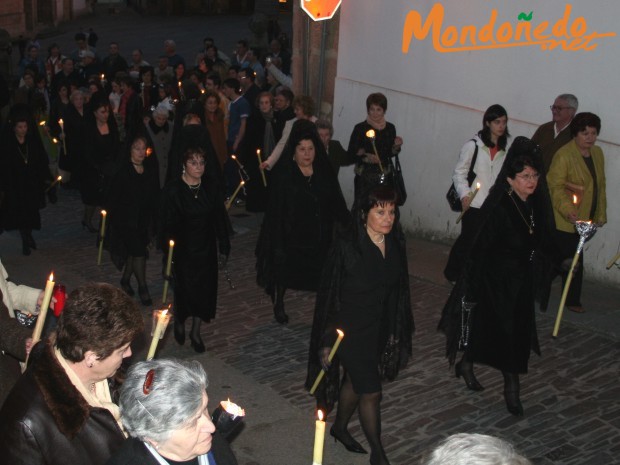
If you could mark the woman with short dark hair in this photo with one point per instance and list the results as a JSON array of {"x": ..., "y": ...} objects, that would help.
[
  {"x": 193, "y": 215},
  {"x": 61, "y": 409}
]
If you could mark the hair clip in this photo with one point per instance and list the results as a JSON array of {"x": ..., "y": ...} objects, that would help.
[{"x": 147, "y": 387}]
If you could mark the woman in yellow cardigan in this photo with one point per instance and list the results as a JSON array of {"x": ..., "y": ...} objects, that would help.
[{"x": 576, "y": 182}]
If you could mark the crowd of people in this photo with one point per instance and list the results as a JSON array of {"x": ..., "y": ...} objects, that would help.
[{"x": 167, "y": 149}]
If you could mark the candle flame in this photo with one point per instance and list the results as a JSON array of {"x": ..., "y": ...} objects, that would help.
[
  {"x": 202, "y": 91},
  {"x": 574, "y": 199},
  {"x": 234, "y": 157},
  {"x": 180, "y": 84},
  {"x": 320, "y": 415},
  {"x": 340, "y": 333},
  {"x": 163, "y": 314},
  {"x": 370, "y": 133},
  {"x": 104, "y": 213},
  {"x": 477, "y": 185},
  {"x": 258, "y": 151},
  {"x": 60, "y": 121},
  {"x": 233, "y": 408},
  {"x": 149, "y": 151},
  {"x": 103, "y": 77},
  {"x": 54, "y": 140},
  {"x": 42, "y": 123},
  {"x": 171, "y": 243},
  {"x": 58, "y": 178},
  {"x": 242, "y": 183},
  {"x": 51, "y": 278}
]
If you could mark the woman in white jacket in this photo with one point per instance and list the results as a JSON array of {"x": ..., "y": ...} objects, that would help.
[{"x": 489, "y": 149}]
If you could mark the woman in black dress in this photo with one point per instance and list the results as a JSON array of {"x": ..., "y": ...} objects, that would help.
[
  {"x": 368, "y": 172},
  {"x": 498, "y": 277},
  {"x": 24, "y": 177},
  {"x": 194, "y": 216},
  {"x": 100, "y": 158},
  {"x": 75, "y": 117},
  {"x": 364, "y": 292},
  {"x": 305, "y": 203},
  {"x": 131, "y": 205}
]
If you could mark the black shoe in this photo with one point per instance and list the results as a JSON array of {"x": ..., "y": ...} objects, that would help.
[
  {"x": 145, "y": 297},
  {"x": 468, "y": 375},
  {"x": 197, "y": 345},
  {"x": 126, "y": 286},
  {"x": 31, "y": 243},
  {"x": 88, "y": 227},
  {"x": 279, "y": 313},
  {"x": 350, "y": 444},
  {"x": 179, "y": 332},
  {"x": 513, "y": 403},
  {"x": 378, "y": 458},
  {"x": 25, "y": 249}
]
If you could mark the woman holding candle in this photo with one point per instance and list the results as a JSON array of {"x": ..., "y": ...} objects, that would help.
[
  {"x": 305, "y": 205},
  {"x": 490, "y": 312},
  {"x": 194, "y": 216},
  {"x": 24, "y": 177},
  {"x": 164, "y": 408},
  {"x": 61, "y": 409},
  {"x": 215, "y": 122},
  {"x": 259, "y": 141},
  {"x": 374, "y": 165},
  {"x": 100, "y": 157},
  {"x": 489, "y": 150},
  {"x": 364, "y": 292},
  {"x": 132, "y": 204},
  {"x": 579, "y": 164}
]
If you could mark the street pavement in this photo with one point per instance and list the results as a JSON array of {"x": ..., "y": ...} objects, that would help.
[{"x": 571, "y": 395}]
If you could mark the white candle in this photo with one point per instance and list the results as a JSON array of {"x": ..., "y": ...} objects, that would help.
[
  {"x": 47, "y": 297},
  {"x": 162, "y": 321},
  {"x": 319, "y": 439}
]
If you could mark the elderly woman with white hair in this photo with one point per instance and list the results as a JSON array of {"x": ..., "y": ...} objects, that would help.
[
  {"x": 163, "y": 407},
  {"x": 159, "y": 138},
  {"x": 475, "y": 449}
]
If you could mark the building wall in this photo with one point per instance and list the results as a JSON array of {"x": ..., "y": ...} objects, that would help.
[
  {"x": 12, "y": 17},
  {"x": 437, "y": 98}
]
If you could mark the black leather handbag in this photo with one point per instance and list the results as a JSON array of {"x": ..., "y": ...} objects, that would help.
[{"x": 452, "y": 196}]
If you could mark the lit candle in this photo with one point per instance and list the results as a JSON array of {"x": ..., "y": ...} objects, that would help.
[
  {"x": 574, "y": 199},
  {"x": 371, "y": 135},
  {"x": 149, "y": 152},
  {"x": 54, "y": 183},
  {"x": 104, "y": 214},
  {"x": 47, "y": 297},
  {"x": 234, "y": 157},
  {"x": 330, "y": 357},
  {"x": 162, "y": 317},
  {"x": 262, "y": 171},
  {"x": 319, "y": 439},
  {"x": 168, "y": 270},
  {"x": 232, "y": 197},
  {"x": 42, "y": 123},
  {"x": 181, "y": 93},
  {"x": 62, "y": 131},
  {"x": 471, "y": 198}
]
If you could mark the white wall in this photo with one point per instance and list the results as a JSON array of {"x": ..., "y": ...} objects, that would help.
[{"x": 436, "y": 100}]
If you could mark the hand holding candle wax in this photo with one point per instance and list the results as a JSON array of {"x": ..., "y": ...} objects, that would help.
[
  {"x": 330, "y": 357},
  {"x": 227, "y": 417}
]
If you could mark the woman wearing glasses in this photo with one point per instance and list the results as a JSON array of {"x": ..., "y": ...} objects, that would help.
[{"x": 490, "y": 312}]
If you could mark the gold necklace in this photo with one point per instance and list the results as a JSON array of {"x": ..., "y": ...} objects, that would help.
[
  {"x": 22, "y": 153},
  {"x": 530, "y": 225}
]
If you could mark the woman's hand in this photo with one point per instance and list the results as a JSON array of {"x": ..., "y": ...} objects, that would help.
[
  {"x": 265, "y": 166},
  {"x": 572, "y": 217},
  {"x": 28, "y": 346},
  {"x": 465, "y": 201},
  {"x": 371, "y": 158},
  {"x": 324, "y": 358},
  {"x": 40, "y": 300},
  {"x": 398, "y": 141}
]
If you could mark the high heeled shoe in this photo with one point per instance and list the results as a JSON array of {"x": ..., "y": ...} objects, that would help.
[
  {"x": 145, "y": 297},
  {"x": 88, "y": 227},
  {"x": 279, "y": 313},
  {"x": 126, "y": 286},
  {"x": 468, "y": 375},
  {"x": 179, "y": 332},
  {"x": 197, "y": 345},
  {"x": 350, "y": 444},
  {"x": 31, "y": 243},
  {"x": 513, "y": 403}
]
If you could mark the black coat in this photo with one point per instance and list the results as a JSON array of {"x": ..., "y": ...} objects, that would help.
[
  {"x": 24, "y": 176},
  {"x": 499, "y": 277},
  {"x": 133, "y": 452},
  {"x": 76, "y": 135},
  {"x": 132, "y": 205},
  {"x": 99, "y": 164},
  {"x": 197, "y": 225},
  {"x": 46, "y": 421}
]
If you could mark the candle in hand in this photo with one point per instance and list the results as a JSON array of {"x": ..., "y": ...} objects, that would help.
[
  {"x": 471, "y": 198},
  {"x": 232, "y": 197},
  {"x": 371, "y": 135},
  {"x": 168, "y": 270},
  {"x": 330, "y": 357},
  {"x": 104, "y": 214},
  {"x": 319, "y": 439},
  {"x": 47, "y": 297},
  {"x": 234, "y": 157},
  {"x": 162, "y": 318},
  {"x": 62, "y": 131},
  {"x": 262, "y": 171}
]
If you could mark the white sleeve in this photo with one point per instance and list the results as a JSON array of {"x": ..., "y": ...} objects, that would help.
[
  {"x": 459, "y": 177},
  {"x": 277, "y": 151}
]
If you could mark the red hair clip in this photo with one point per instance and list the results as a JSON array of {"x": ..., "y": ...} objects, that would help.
[{"x": 147, "y": 387}]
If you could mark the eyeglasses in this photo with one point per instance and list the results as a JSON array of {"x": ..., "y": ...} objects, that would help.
[
  {"x": 529, "y": 177},
  {"x": 557, "y": 108},
  {"x": 196, "y": 162}
]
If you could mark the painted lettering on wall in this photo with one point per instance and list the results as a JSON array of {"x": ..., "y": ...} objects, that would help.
[{"x": 570, "y": 34}]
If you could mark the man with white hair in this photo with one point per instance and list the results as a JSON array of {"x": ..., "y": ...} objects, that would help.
[
  {"x": 170, "y": 50},
  {"x": 475, "y": 449}
]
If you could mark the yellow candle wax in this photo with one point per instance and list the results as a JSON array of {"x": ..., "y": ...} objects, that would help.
[
  {"x": 162, "y": 321},
  {"x": 319, "y": 439},
  {"x": 47, "y": 297},
  {"x": 104, "y": 214},
  {"x": 232, "y": 197},
  {"x": 168, "y": 270},
  {"x": 262, "y": 171}
]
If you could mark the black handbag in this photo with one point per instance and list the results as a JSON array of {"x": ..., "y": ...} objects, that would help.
[
  {"x": 399, "y": 182},
  {"x": 452, "y": 196}
]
